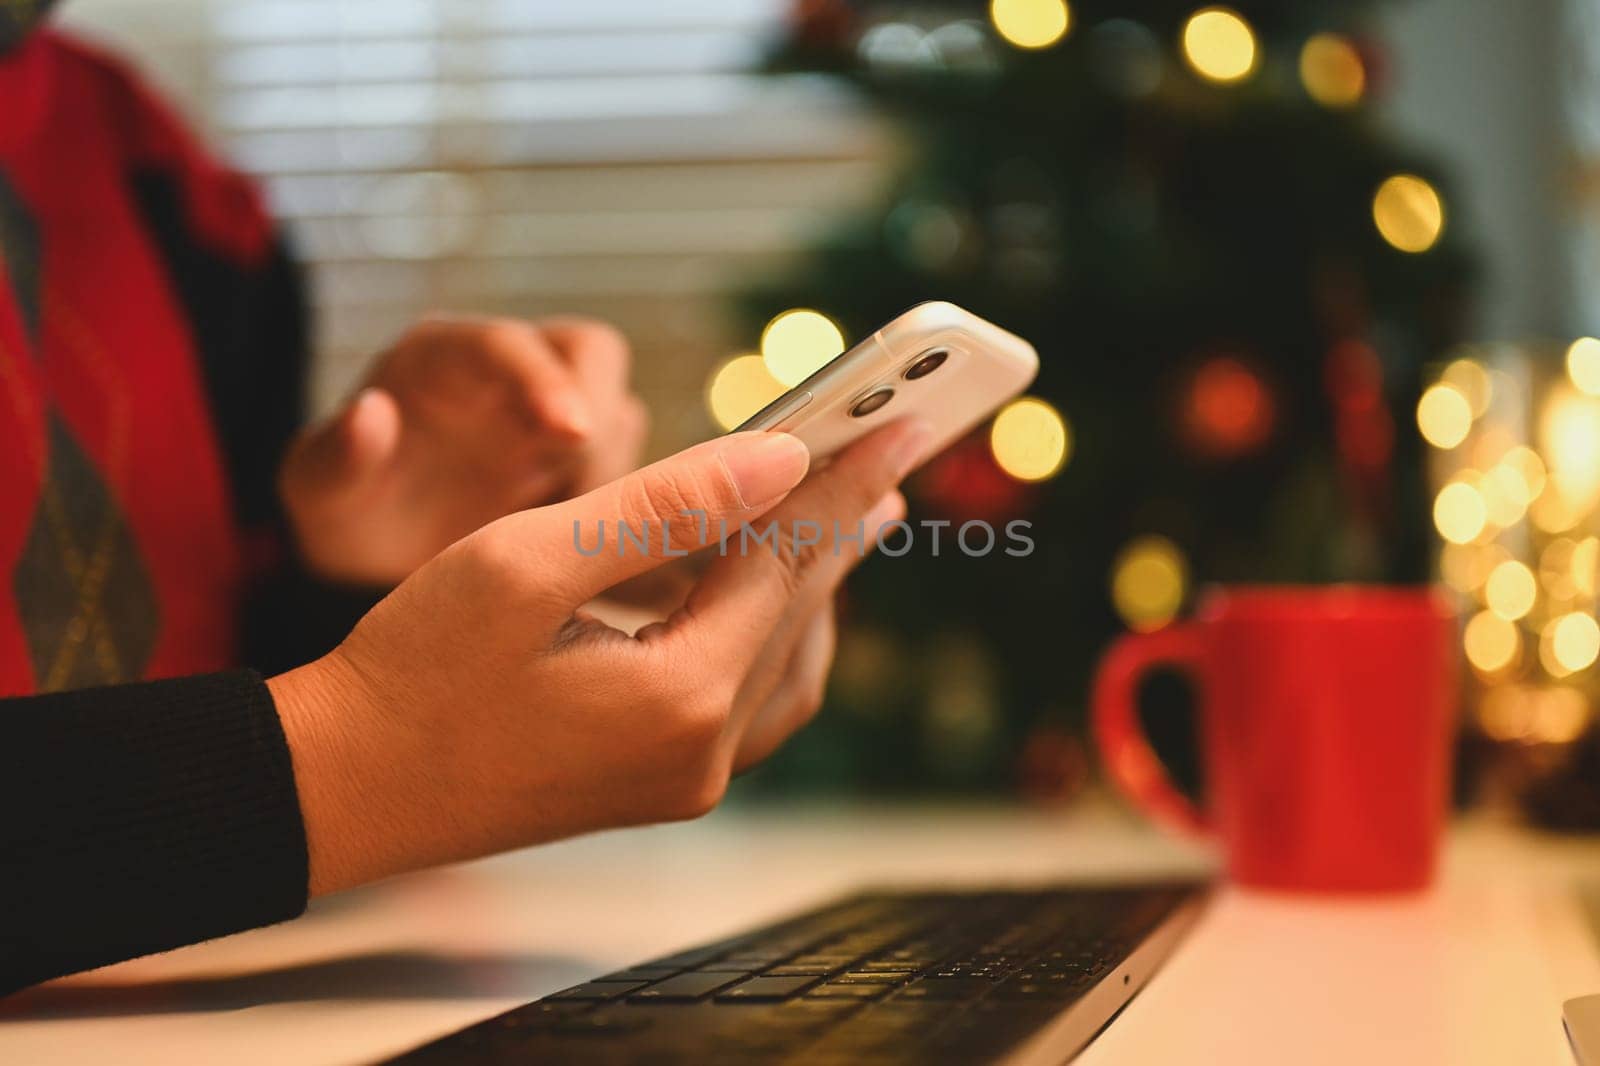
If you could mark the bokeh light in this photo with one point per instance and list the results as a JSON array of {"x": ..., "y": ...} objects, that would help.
[
  {"x": 1220, "y": 45},
  {"x": 1148, "y": 582},
  {"x": 1408, "y": 213},
  {"x": 1470, "y": 379},
  {"x": 1505, "y": 495},
  {"x": 1444, "y": 416},
  {"x": 1569, "y": 644},
  {"x": 1459, "y": 512},
  {"x": 797, "y": 343},
  {"x": 1511, "y": 590},
  {"x": 1031, "y": 23},
  {"x": 1585, "y": 565},
  {"x": 1491, "y": 642},
  {"x": 739, "y": 388},
  {"x": 1030, "y": 440},
  {"x": 1569, "y": 431},
  {"x": 1529, "y": 467},
  {"x": 1583, "y": 364},
  {"x": 1332, "y": 71}
]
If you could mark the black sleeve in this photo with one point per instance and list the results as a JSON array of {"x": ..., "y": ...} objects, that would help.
[{"x": 142, "y": 817}]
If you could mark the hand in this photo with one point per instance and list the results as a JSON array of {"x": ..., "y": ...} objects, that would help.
[
  {"x": 462, "y": 421},
  {"x": 479, "y": 708}
]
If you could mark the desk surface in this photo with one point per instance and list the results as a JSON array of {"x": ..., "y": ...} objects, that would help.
[{"x": 1473, "y": 972}]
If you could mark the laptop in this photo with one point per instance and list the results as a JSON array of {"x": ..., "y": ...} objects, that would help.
[{"x": 1014, "y": 976}]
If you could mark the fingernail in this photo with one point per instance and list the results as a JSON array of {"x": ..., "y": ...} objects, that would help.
[
  {"x": 764, "y": 466},
  {"x": 910, "y": 447}
]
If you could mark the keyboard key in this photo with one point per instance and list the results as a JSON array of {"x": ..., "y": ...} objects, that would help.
[
  {"x": 791, "y": 970},
  {"x": 687, "y": 987},
  {"x": 765, "y": 989},
  {"x": 838, "y": 991},
  {"x": 949, "y": 988},
  {"x": 857, "y": 977},
  {"x": 598, "y": 990},
  {"x": 642, "y": 973}
]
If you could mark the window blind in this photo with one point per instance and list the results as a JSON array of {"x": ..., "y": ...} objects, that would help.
[{"x": 617, "y": 158}]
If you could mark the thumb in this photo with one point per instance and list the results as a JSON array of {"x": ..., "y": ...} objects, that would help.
[
  {"x": 668, "y": 509},
  {"x": 352, "y": 446}
]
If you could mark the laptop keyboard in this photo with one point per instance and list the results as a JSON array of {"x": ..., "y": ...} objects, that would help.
[{"x": 885, "y": 978}]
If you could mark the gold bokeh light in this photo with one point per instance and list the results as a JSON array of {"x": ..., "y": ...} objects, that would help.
[
  {"x": 739, "y": 388},
  {"x": 1491, "y": 642},
  {"x": 1031, "y": 24},
  {"x": 1444, "y": 416},
  {"x": 1220, "y": 45},
  {"x": 1148, "y": 582},
  {"x": 1030, "y": 440},
  {"x": 1511, "y": 590},
  {"x": 1569, "y": 644},
  {"x": 1408, "y": 213},
  {"x": 1332, "y": 71},
  {"x": 1468, "y": 377},
  {"x": 1459, "y": 512},
  {"x": 1583, "y": 364},
  {"x": 797, "y": 343}
]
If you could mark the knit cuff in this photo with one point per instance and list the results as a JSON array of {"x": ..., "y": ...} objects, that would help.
[{"x": 142, "y": 817}]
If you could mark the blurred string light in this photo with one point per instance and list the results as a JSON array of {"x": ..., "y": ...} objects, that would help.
[
  {"x": 1031, "y": 24},
  {"x": 1408, "y": 213},
  {"x": 1444, "y": 416},
  {"x": 1332, "y": 71},
  {"x": 797, "y": 343},
  {"x": 1030, "y": 440},
  {"x": 1569, "y": 432},
  {"x": 1583, "y": 364},
  {"x": 1570, "y": 568},
  {"x": 1553, "y": 714},
  {"x": 1505, "y": 495},
  {"x": 739, "y": 388},
  {"x": 1511, "y": 590},
  {"x": 1459, "y": 512},
  {"x": 1471, "y": 380},
  {"x": 1220, "y": 45},
  {"x": 1491, "y": 642},
  {"x": 1569, "y": 644},
  {"x": 1529, "y": 467},
  {"x": 1148, "y": 581}
]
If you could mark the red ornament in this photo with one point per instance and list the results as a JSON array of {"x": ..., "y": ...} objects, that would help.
[
  {"x": 823, "y": 23},
  {"x": 1364, "y": 432},
  {"x": 965, "y": 484},
  {"x": 1228, "y": 411}
]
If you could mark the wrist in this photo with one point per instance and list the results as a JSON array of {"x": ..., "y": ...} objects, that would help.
[{"x": 337, "y": 745}]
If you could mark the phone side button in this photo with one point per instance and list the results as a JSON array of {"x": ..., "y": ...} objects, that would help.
[{"x": 789, "y": 410}]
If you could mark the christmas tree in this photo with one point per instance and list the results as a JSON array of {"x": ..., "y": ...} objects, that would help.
[{"x": 1234, "y": 279}]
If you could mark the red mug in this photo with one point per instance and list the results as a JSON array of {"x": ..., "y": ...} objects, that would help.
[{"x": 1325, "y": 723}]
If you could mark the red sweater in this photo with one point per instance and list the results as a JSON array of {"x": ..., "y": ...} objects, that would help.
[
  {"x": 150, "y": 363},
  {"x": 151, "y": 358}
]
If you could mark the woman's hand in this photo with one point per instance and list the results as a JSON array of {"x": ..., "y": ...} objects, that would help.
[
  {"x": 479, "y": 707},
  {"x": 462, "y": 421}
]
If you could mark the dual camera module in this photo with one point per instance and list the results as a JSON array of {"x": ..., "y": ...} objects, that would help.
[{"x": 925, "y": 364}]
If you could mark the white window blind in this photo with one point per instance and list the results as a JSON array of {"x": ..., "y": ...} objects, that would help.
[{"x": 614, "y": 157}]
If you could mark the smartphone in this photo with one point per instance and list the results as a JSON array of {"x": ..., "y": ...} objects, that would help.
[{"x": 937, "y": 361}]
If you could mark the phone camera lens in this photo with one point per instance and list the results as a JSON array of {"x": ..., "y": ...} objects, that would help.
[
  {"x": 871, "y": 402},
  {"x": 930, "y": 362}
]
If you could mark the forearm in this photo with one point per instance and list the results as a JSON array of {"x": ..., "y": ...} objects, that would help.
[{"x": 141, "y": 818}]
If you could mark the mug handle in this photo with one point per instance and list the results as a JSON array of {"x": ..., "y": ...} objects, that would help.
[{"x": 1128, "y": 757}]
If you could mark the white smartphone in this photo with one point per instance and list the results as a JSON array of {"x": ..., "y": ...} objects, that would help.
[{"x": 937, "y": 361}]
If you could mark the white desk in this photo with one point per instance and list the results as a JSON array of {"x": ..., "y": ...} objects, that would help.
[{"x": 1472, "y": 973}]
